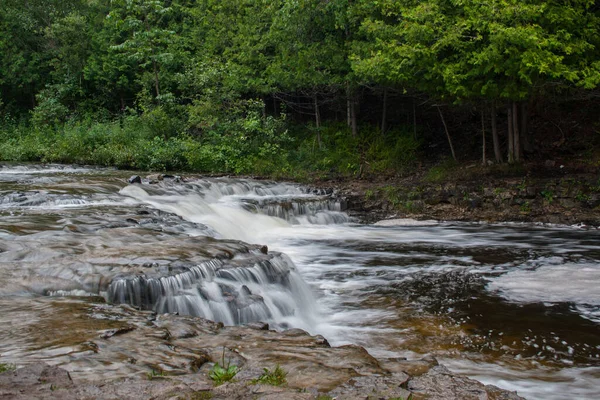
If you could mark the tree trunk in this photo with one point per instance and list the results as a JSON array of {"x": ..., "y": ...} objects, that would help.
[
  {"x": 354, "y": 121},
  {"x": 525, "y": 134},
  {"x": 517, "y": 139},
  {"x": 447, "y": 133},
  {"x": 348, "y": 106},
  {"x": 317, "y": 120},
  {"x": 414, "y": 119},
  {"x": 122, "y": 102},
  {"x": 497, "y": 152},
  {"x": 511, "y": 138},
  {"x": 484, "y": 161},
  {"x": 384, "y": 112}
]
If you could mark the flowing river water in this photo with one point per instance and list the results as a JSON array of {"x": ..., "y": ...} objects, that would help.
[{"x": 513, "y": 305}]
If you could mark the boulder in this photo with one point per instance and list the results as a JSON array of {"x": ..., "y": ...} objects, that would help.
[{"x": 134, "y": 179}]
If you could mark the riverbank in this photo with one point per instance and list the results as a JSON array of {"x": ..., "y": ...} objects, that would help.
[{"x": 546, "y": 193}]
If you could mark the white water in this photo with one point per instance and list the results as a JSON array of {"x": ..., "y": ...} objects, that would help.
[
  {"x": 401, "y": 288},
  {"x": 331, "y": 258}
]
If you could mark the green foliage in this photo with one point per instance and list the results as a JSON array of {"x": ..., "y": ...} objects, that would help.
[
  {"x": 525, "y": 207},
  {"x": 548, "y": 195},
  {"x": 6, "y": 367},
  {"x": 220, "y": 374},
  {"x": 469, "y": 49},
  {"x": 440, "y": 172},
  {"x": 277, "y": 377},
  {"x": 214, "y": 85},
  {"x": 367, "y": 153},
  {"x": 152, "y": 374}
]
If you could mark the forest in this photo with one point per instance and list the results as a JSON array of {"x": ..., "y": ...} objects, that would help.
[{"x": 284, "y": 88}]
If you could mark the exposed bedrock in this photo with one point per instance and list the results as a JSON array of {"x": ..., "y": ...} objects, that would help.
[{"x": 169, "y": 356}]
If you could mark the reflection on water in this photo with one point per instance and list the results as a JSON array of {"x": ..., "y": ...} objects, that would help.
[{"x": 513, "y": 305}]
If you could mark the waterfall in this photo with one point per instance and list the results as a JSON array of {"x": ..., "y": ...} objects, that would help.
[
  {"x": 234, "y": 291},
  {"x": 225, "y": 291},
  {"x": 240, "y": 209}
]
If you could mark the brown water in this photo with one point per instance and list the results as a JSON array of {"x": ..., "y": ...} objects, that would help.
[{"x": 513, "y": 305}]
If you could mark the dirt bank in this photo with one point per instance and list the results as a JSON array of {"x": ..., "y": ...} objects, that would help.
[{"x": 543, "y": 193}]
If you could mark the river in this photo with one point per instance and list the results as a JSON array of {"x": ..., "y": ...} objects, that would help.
[{"x": 514, "y": 305}]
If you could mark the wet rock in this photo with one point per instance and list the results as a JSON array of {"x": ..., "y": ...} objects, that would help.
[
  {"x": 120, "y": 369},
  {"x": 45, "y": 381},
  {"x": 259, "y": 326},
  {"x": 410, "y": 367},
  {"x": 474, "y": 202},
  {"x": 264, "y": 249},
  {"x": 134, "y": 179},
  {"x": 568, "y": 203},
  {"x": 198, "y": 362},
  {"x": 531, "y": 192},
  {"x": 108, "y": 333},
  {"x": 369, "y": 387},
  {"x": 321, "y": 341},
  {"x": 154, "y": 178},
  {"x": 439, "y": 384}
]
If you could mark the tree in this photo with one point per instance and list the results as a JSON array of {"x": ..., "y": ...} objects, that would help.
[
  {"x": 25, "y": 63},
  {"x": 496, "y": 51}
]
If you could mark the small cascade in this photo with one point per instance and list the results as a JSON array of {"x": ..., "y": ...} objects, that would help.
[
  {"x": 320, "y": 210},
  {"x": 238, "y": 209},
  {"x": 232, "y": 292}
]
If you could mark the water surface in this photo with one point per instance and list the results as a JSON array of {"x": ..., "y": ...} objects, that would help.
[{"x": 515, "y": 305}]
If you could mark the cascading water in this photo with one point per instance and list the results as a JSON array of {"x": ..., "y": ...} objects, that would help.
[
  {"x": 513, "y": 305},
  {"x": 269, "y": 290}
]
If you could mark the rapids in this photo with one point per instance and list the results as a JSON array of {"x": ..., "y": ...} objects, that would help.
[{"x": 515, "y": 305}]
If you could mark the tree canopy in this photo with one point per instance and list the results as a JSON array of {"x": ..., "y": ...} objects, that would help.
[{"x": 203, "y": 60}]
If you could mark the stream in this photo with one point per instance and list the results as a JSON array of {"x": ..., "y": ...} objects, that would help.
[{"x": 513, "y": 305}]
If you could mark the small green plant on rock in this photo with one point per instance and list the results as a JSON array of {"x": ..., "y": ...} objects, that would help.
[
  {"x": 154, "y": 374},
  {"x": 548, "y": 195},
  {"x": 6, "y": 367},
  {"x": 277, "y": 377},
  {"x": 221, "y": 373},
  {"x": 582, "y": 196}
]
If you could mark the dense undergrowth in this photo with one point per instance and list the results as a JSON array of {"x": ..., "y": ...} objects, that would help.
[{"x": 244, "y": 143}]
